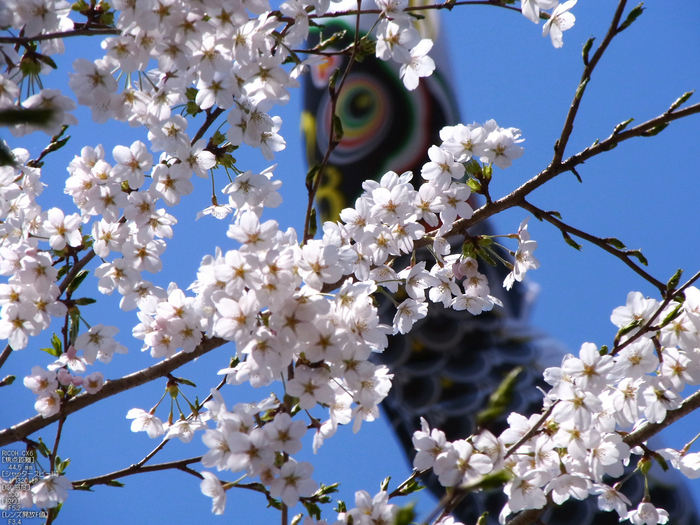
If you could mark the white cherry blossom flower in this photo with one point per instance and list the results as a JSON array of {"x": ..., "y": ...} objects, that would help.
[
  {"x": 559, "y": 21},
  {"x": 211, "y": 486},
  {"x": 395, "y": 41},
  {"x": 429, "y": 444},
  {"x": 51, "y": 491},
  {"x": 420, "y": 65},
  {"x": 294, "y": 481},
  {"x": 94, "y": 382},
  {"x": 531, "y": 8},
  {"x": 460, "y": 463},
  {"x": 145, "y": 422},
  {"x": 610, "y": 499},
  {"x": 567, "y": 485},
  {"x": 63, "y": 229},
  {"x": 371, "y": 511},
  {"x": 647, "y": 514},
  {"x": 525, "y": 492},
  {"x": 48, "y": 404}
]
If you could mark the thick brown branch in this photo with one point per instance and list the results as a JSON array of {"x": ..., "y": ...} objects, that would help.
[
  {"x": 649, "y": 430},
  {"x": 110, "y": 388}
]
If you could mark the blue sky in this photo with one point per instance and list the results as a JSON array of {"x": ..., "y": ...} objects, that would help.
[{"x": 644, "y": 193}]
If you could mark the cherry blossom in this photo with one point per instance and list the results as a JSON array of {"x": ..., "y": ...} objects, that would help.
[
  {"x": 301, "y": 310},
  {"x": 559, "y": 21},
  {"x": 211, "y": 486}
]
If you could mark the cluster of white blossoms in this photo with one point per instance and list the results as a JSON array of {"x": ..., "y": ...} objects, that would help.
[
  {"x": 595, "y": 399},
  {"x": 267, "y": 296},
  {"x": 301, "y": 312},
  {"x": 234, "y": 61},
  {"x": 270, "y": 298}
]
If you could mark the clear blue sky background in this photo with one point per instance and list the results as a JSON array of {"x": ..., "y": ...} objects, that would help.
[{"x": 645, "y": 193}]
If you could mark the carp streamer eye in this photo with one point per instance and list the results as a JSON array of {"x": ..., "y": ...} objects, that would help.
[{"x": 365, "y": 109}]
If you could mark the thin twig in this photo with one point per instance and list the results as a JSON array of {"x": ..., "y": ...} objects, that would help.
[
  {"x": 211, "y": 117},
  {"x": 75, "y": 269},
  {"x": 138, "y": 469},
  {"x": 445, "y": 5},
  {"x": 530, "y": 432},
  {"x": 620, "y": 254},
  {"x": 5, "y": 354},
  {"x": 585, "y": 78},
  {"x": 332, "y": 141},
  {"x": 285, "y": 512},
  {"x": 54, "y": 452},
  {"x": 414, "y": 475},
  {"x": 22, "y": 40}
]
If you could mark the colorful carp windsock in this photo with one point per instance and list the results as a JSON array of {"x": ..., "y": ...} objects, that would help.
[{"x": 449, "y": 364}]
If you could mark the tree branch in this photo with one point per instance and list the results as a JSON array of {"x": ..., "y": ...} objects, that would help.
[
  {"x": 620, "y": 254},
  {"x": 333, "y": 141},
  {"x": 22, "y": 40},
  {"x": 139, "y": 469},
  {"x": 110, "y": 388},
  {"x": 411, "y": 8},
  {"x": 516, "y": 197},
  {"x": 530, "y": 432},
  {"x": 211, "y": 117},
  {"x": 5, "y": 354},
  {"x": 585, "y": 78},
  {"x": 649, "y": 430}
]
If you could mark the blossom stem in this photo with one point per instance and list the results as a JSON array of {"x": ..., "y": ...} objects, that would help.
[{"x": 165, "y": 440}]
